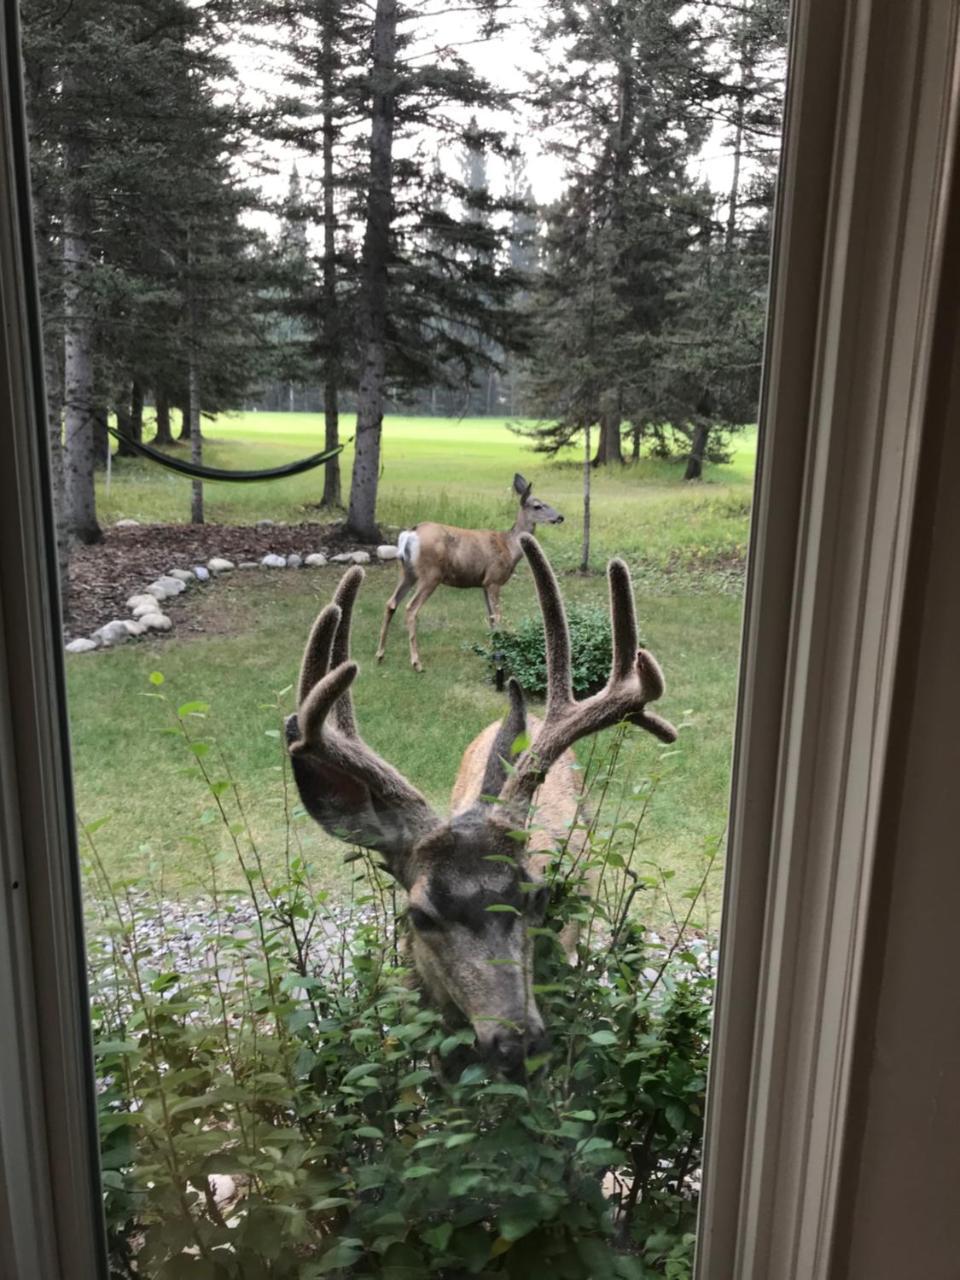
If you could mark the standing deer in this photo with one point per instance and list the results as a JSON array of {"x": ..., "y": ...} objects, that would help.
[
  {"x": 433, "y": 555},
  {"x": 473, "y": 964}
]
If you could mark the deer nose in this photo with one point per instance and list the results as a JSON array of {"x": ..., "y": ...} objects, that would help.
[
  {"x": 509, "y": 1050},
  {"x": 559, "y": 519}
]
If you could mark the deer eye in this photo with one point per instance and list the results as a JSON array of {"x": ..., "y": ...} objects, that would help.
[{"x": 422, "y": 921}]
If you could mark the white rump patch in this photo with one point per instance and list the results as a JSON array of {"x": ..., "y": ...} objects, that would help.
[{"x": 408, "y": 544}]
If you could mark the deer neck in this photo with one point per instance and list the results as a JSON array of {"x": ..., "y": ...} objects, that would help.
[{"x": 524, "y": 523}]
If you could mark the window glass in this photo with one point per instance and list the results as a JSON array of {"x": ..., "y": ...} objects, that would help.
[{"x": 353, "y": 310}]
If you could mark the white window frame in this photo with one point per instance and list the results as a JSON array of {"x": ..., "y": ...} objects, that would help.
[{"x": 870, "y": 138}]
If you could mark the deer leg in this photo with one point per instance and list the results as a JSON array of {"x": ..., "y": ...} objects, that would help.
[
  {"x": 424, "y": 592},
  {"x": 492, "y": 596},
  {"x": 407, "y": 581}
]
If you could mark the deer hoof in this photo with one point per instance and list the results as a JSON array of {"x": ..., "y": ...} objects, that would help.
[
  {"x": 416, "y": 666},
  {"x": 379, "y": 655}
]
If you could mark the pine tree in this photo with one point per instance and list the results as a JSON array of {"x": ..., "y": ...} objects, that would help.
[
  {"x": 132, "y": 155},
  {"x": 325, "y": 43},
  {"x": 421, "y": 314},
  {"x": 626, "y": 85}
]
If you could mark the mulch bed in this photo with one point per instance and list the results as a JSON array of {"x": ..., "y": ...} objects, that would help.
[{"x": 104, "y": 576}]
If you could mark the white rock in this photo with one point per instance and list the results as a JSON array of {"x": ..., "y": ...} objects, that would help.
[
  {"x": 270, "y": 561},
  {"x": 387, "y": 553},
  {"x": 200, "y": 573},
  {"x": 141, "y": 610},
  {"x": 360, "y": 557},
  {"x": 158, "y": 590},
  {"x": 217, "y": 564},
  {"x": 344, "y": 557},
  {"x": 156, "y": 622},
  {"x": 112, "y": 634},
  {"x": 126, "y": 524},
  {"x": 82, "y": 646},
  {"x": 264, "y": 524},
  {"x": 135, "y": 601},
  {"x": 294, "y": 561},
  {"x": 248, "y": 564},
  {"x": 315, "y": 560},
  {"x": 173, "y": 586},
  {"x": 134, "y": 628},
  {"x": 184, "y": 575}
]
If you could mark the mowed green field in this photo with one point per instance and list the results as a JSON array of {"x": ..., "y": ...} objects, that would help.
[
  {"x": 458, "y": 471},
  {"x": 242, "y": 649}
]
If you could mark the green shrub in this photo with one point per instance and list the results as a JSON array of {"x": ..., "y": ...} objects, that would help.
[
  {"x": 285, "y": 1046},
  {"x": 521, "y": 653}
]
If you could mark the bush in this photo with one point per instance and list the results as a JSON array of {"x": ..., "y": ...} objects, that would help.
[
  {"x": 286, "y": 1048},
  {"x": 521, "y": 653}
]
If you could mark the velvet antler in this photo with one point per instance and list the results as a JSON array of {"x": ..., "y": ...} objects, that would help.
[{"x": 635, "y": 680}]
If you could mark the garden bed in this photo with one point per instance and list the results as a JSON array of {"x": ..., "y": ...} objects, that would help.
[{"x": 104, "y": 576}]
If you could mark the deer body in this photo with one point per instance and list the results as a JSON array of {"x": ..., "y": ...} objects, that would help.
[
  {"x": 433, "y": 555},
  {"x": 472, "y": 887}
]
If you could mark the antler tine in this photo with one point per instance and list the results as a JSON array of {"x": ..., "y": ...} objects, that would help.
[
  {"x": 555, "y": 632},
  {"x": 514, "y": 724},
  {"x": 315, "y": 708},
  {"x": 623, "y": 621},
  {"x": 316, "y": 656},
  {"x": 635, "y": 680},
  {"x": 344, "y": 598}
]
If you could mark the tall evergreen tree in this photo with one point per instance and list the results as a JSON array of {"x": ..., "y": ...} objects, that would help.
[
  {"x": 625, "y": 88},
  {"x": 325, "y": 44},
  {"x": 420, "y": 316}
]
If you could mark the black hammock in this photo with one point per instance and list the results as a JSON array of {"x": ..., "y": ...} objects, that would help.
[{"x": 214, "y": 473}]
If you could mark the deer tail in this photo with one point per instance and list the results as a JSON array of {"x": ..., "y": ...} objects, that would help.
[{"x": 408, "y": 544}]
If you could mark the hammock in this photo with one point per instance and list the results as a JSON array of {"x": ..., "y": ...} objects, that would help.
[{"x": 214, "y": 473}]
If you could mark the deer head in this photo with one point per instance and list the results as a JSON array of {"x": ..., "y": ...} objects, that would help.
[
  {"x": 471, "y": 889},
  {"x": 532, "y": 510}
]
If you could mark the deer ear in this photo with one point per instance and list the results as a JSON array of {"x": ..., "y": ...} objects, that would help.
[
  {"x": 522, "y": 487},
  {"x": 505, "y": 746},
  {"x": 370, "y": 809}
]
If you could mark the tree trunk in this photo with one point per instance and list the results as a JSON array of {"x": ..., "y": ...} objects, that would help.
[
  {"x": 80, "y": 442},
  {"x": 636, "y": 439},
  {"x": 585, "y": 554},
  {"x": 698, "y": 451},
  {"x": 608, "y": 445},
  {"x": 53, "y": 377},
  {"x": 164, "y": 434},
  {"x": 361, "y": 517},
  {"x": 125, "y": 428},
  {"x": 733, "y": 199},
  {"x": 186, "y": 418},
  {"x": 136, "y": 411},
  {"x": 196, "y": 445},
  {"x": 332, "y": 491}
]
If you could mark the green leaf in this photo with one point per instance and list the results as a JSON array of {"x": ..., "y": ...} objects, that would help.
[
  {"x": 193, "y": 709},
  {"x": 156, "y": 678},
  {"x": 603, "y": 1037},
  {"x": 418, "y": 1171},
  {"x": 438, "y": 1237},
  {"x": 502, "y": 906}
]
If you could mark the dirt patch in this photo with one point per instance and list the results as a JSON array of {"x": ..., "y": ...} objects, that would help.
[{"x": 103, "y": 577}]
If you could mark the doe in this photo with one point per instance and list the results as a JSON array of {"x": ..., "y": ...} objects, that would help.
[
  {"x": 473, "y": 964},
  {"x": 433, "y": 555}
]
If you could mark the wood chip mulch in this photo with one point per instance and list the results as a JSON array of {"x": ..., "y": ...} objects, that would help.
[{"x": 104, "y": 576}]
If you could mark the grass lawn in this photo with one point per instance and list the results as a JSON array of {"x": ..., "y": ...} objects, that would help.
[
  {"x": 679, "y": 540},
  {"x": 459, "y": 472}
]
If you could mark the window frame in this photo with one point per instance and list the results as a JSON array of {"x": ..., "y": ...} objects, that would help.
[
  {"x": 863, "y": 207},
  {"x": 868, "y": 156}
]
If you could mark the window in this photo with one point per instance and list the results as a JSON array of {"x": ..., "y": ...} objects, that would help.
[{"x": 855, "y": 401}]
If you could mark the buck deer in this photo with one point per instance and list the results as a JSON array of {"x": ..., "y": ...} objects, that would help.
[
  {"x": 433, "y": 555},
  {"x": 473, "y": 963}
]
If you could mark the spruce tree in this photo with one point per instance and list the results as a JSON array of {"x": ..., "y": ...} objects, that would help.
[
  {"x": 421, "y": 314},
  {"x": 625, "y": 85}
]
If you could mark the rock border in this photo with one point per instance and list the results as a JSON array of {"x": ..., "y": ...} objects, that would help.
[{"x": 147, "y": 616}]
